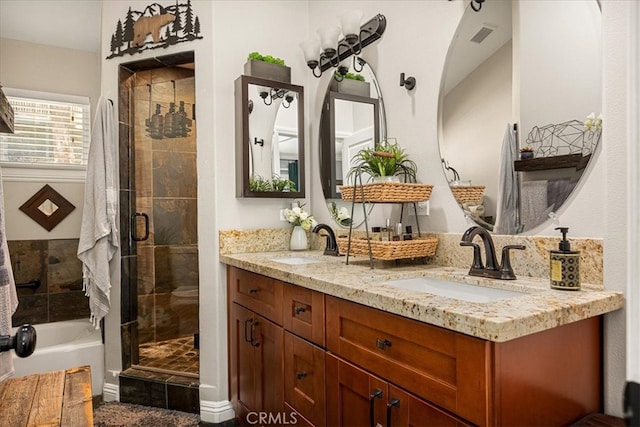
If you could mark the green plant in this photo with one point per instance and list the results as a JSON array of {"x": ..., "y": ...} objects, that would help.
[
  {"x": 256, "y": 56},
  {"x": 384, "y": 159},
  {"x": 282, "y": 184},
  {"x": 258, "y": 183},
  {"x": 353, "y": 76}
]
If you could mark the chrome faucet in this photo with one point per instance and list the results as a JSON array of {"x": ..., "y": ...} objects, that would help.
[
  {"x": 332, "y": 244},
  {"x": 494, "y": 270}
]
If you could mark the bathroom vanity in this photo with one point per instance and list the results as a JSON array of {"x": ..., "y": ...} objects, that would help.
[{"x": 323, "y": 343}]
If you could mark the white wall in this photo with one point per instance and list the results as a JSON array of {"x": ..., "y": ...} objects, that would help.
[
  {"x": 42, "y": 68},
  {"x": 474, "y": 118},
  {"x": 415, "y": 42}
]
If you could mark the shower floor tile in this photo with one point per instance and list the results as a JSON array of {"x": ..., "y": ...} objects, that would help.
[{"x": 175, "y": 355}]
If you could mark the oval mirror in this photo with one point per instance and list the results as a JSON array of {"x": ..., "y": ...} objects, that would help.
[
  {"x": 520, "y": 76},
  {"x": 352, "y": 118}
]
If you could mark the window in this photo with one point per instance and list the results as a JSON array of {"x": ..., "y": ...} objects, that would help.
[{"x": 51, "y": 130}]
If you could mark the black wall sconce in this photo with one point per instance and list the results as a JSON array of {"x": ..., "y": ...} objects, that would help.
[
  {"x": 473, "y": 5},
  {"x": 409, "y": 83},
  {"x": 328, "y": 52}
]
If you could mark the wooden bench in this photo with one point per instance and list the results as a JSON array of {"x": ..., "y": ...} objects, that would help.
[{"x": 56, "y": 398}]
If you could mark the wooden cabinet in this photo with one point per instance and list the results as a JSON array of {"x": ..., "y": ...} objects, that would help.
[
  {"x": 338, "y": 363},
  {"x": 358, "y": 398},
  {"x": 255, "y": 352}
]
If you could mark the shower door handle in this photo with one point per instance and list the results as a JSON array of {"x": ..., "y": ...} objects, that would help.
[{"x": 134, "y": 223}]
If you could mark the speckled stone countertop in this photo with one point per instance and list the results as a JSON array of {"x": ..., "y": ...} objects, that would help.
[{"x": 538, "y": 309}]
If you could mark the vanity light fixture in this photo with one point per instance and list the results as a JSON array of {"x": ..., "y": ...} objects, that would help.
[
  {"x": 328, "y": 52},
  {"x": 268, "y": 94},
  {"x": 289, "y": 97}
]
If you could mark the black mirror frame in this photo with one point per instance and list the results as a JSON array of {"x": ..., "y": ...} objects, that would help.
[
  {"x": 328, "y": 132},
  {"x": 242, "y": 135}
]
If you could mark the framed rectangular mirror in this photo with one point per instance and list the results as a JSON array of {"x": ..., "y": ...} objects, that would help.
[
  {"x": 349, "y": 124},
  {"x": 269, "y": 119}
]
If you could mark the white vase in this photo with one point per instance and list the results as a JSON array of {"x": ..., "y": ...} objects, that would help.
[{"x": 298, "y": 240}]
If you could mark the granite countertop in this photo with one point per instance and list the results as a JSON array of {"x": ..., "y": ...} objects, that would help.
[{"x": 537, "y": 309}]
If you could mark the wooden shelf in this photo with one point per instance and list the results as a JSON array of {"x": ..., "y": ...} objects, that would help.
[{"x": 577, "y": 161}]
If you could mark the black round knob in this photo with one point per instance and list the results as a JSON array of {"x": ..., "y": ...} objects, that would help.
[{"x": 25, "y": 341}]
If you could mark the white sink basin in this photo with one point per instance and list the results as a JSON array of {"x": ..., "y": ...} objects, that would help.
[
  {"x": 456, "y": 290},
  {"x": 295, "y": 260}
]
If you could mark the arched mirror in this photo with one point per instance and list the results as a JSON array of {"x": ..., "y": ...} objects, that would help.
[
  {"x": 520, "y": 75},
  {"x": 269, "y": 138},
  {"x": 352, "y": 119}
]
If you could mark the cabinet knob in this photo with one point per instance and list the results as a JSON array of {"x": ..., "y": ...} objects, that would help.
[
  {"x": 301, "y": 375},
  {"x": 298, "y": 310},
  {"x": 253, "y": 291},
  {"x": 383, "y": 344}
]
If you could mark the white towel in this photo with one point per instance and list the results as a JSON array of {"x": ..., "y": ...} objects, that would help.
[
  {"x": 509, "y": 189},
  {"x": 99, "y": 230},
  {"x": 8, "y": 296}
]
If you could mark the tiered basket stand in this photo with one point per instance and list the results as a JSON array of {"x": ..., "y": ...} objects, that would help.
[{"x": 386, "y": 192}]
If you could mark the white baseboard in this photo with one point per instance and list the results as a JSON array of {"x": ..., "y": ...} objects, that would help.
[
  {"x": 216, "y": 412},
  {"x": 110, "y": 392}
]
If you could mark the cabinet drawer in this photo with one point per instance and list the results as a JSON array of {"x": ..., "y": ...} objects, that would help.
[
  {"x": 304, "y": 378},
  {"x": 304, "y": 313},
  {"x": 441, "y": 366},
  {"x": 258, "y": 293}
]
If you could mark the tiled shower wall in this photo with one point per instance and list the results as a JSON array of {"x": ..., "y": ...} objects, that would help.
[
  {"x": 55, "y": 264},
  {"x": 165, "y": 176}
]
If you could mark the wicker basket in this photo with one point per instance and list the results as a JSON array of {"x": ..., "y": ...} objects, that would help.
[
  {"x": 467, "y": 193},
  {"x": 417, "y": 248},
  {"x": 388, "y": 192}
]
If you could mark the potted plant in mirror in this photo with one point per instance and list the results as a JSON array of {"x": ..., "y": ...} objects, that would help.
[
  {"x": 384, "y": 161},
  {"x": 267, "y": 67},
  {"x": 351, "y": 84},
  {"x": 526, "y": 153},
  {"x": 277, "y": 184}
]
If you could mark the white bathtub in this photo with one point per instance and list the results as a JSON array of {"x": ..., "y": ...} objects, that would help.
[{"x": 64, "y": 345}]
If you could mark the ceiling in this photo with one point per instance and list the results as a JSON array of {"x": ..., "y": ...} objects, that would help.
[{"x": 72, "y": 24}]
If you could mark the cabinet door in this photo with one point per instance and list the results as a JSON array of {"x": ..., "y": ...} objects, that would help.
[
  {"x": 304, "y": 378},
  {"x": 242, "y": 364},
  {"x": 268, "y": 344},
  {"x": 255, "y": 363},
  {"x": 354, "y": 397}
]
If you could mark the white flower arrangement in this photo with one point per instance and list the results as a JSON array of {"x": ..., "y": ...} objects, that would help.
[
  {"x": 341, "y": 216},
  {"x": 593, "y": 123},
  {"x": 297, "y": 216}
]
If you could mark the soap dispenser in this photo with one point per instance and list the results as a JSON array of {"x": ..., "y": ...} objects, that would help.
[{"x": 564, "y": 265}]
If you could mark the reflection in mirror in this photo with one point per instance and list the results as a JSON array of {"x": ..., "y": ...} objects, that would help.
[
  {"x": 510, "y": 82},
  {"x": 269, "y": 139},
  {"x": 352, "y": 119}
]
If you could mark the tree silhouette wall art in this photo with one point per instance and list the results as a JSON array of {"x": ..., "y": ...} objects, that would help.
[{"x": 155, "y": 27}]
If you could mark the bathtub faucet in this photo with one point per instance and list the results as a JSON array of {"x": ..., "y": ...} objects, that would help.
[{"x": 23, "y": 342}]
